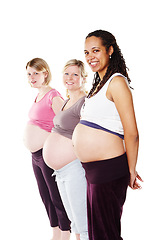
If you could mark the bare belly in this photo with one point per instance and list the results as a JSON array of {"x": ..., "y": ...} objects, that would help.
[
  {"x": 58, "y": 151},
  {"x": 34, "y": 137},
  {"x": 92, "y": 144}
]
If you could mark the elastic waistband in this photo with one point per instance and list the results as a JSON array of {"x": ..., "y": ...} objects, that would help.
[
  {"x": 69, "y": 166},
  {"x": 94, "y": 125},
  {"x": 37, "y": 153},
  {"x": 106, "y": 170}
]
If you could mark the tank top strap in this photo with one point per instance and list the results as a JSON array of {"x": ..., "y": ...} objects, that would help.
[{"x": 105, "y": 87}]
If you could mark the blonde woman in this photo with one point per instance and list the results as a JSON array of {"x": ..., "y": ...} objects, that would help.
[
  {"x": 46, "y": 105},
  {"x": 58, "y": 150}
]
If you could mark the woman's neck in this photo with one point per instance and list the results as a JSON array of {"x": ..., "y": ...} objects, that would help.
[
  {"x": 44, "y": 89},
  {"x": 75, "y": 95}
]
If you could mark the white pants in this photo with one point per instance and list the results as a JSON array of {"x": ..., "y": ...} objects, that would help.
[{"x": 72, "y": 186}]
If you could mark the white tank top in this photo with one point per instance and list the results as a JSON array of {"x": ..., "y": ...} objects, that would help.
[{"x": 101, "y": 111}]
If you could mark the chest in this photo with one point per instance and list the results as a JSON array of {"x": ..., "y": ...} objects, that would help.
[{"x": 41, "y": 110}]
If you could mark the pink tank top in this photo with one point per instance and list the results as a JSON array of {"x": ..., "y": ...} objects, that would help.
[{"x": 41, "y": 113}]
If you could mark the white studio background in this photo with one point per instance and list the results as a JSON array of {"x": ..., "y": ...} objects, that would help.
[{"x": 55, "y": 31}]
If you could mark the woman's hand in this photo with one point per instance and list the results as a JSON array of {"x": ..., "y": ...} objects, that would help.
[{"x": 133, "y": 181}]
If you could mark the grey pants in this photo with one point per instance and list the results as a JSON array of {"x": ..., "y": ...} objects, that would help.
[{"x": 72, "y": 186}]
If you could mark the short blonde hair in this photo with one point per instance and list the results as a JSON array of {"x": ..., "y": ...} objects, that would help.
[
  {"x": 41, "y": 66},
  {"x": 78, "y": 63}
]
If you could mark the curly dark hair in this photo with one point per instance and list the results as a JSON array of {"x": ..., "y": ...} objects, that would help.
[{"x": 116, "y": 65}]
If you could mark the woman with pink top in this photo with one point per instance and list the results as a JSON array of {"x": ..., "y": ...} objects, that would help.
[{"x": 46, "y": 105}]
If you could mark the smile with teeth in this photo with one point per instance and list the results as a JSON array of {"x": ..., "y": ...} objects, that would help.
[
  {"x": 69, "y": 83},
  {"x": 33, "y": 82},
  {"x": 93, "y": 64}
]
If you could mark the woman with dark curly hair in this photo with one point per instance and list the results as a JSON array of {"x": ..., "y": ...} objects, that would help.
[{"x": 106, "y": 139}]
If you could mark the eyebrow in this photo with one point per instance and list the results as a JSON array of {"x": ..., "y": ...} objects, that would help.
[{"x": 92, "y": 48}]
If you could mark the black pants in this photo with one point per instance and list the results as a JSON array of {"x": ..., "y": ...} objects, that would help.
[
  {"x": 107, "y": 183},
  {"x": 49, "y": 192}
]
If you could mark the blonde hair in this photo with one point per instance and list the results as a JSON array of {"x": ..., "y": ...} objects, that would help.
[
  {"x": 78, "y": 63},
  {"x": 41, "y": 66},
  {"x": 81, "y": 66}
]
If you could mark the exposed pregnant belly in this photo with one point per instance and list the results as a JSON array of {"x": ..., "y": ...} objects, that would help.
[
  {"x": 34, "y": 137},
  {"x": 58, "y": 151},
  {"x": 92, "y": 144}
]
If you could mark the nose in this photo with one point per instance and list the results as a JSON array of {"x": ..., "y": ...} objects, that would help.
[
  {"x": 69, "y": 76},
  {"x": 89, "y": 56},
  {"x": 31, "y": 76}
]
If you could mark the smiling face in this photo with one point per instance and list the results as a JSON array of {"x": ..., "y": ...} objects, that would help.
[
  {"x": 72, "y": 78},
  {"x": 36, "y": 78},
  {"x": 96, "y": 55}
]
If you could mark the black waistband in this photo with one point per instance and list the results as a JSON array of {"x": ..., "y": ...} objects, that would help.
[{"x": 106, "y": 170}]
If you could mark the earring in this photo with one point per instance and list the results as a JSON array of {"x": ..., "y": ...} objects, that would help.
[{"x": 110, "y": 56}]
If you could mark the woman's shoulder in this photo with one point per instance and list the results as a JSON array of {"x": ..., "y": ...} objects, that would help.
[
  {"x": 119, "y": 85},
  {"x": 117, "y": 77},
  {"x": 119, "y": 80},
  {"x": 54, "y": 93}
]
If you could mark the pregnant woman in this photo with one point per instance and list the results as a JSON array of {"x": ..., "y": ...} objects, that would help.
[
  {"x": 106, "y": 139},
  {"x": 46, "y": 105},
  {"x": 58, "y": 150}
]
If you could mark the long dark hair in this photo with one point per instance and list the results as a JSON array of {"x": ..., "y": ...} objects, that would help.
[{"x": 116, "y": 65}]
